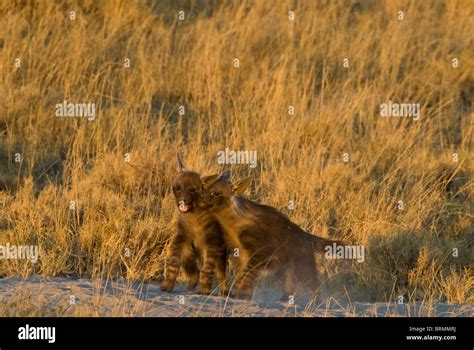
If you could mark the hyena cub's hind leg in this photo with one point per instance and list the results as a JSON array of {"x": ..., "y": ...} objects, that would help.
[
  {"x": 288, "y": 277},
  {"x": 309, "y": 276}
]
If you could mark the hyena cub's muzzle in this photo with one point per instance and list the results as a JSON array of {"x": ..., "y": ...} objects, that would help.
[
  {"x": 204, "y": 201},
  {"x": 183, "y": 207},
  {"x": 191, "y": 201}
]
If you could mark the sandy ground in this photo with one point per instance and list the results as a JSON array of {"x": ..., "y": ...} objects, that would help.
[{"x": 80, "y": 297}]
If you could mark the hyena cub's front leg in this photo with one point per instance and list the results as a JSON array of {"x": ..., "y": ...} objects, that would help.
[
  {"x": 214, "y": 262},
  {"x": 245, "y": 279},
  {"x": 254, "y": 257},
  {"x": 173, "y": 262},
  {"x": 250, "y": 269},
  {"x": 214, "y": 259},
  {"x": 221, "y": 271}
]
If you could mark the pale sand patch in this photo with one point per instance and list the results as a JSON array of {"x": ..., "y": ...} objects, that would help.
[{"x": 52, "y": 297}]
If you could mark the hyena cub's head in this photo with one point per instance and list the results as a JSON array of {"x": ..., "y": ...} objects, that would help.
[
  {"x": 221, "y": 191},
  {"x": 188, "y": 189}
]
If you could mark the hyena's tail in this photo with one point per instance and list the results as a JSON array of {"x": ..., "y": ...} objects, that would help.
[{"x": 320, "y": 243}]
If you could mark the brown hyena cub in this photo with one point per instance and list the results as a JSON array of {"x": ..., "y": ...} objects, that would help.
[
  {"x": 198, "y": 246},
  {"x": 265, "y": 238}
]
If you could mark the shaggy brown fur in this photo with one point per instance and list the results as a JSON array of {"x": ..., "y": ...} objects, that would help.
[
  {"x": 265, "y": 238},
  {"x": 198, "y": 240}
]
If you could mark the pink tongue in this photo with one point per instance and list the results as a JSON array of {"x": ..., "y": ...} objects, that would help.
[{"x": 183, "y": 207}]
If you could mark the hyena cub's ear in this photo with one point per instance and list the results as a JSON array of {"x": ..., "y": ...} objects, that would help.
[
  {"x": 239, "y": 187},
  {"x": 209, "y": 180},
  {"x": 181, "y": 166},
  {"x": 225, "y": 176}
]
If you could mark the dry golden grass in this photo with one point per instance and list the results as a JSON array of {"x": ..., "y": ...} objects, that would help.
[{"x": 127, "y": 205}]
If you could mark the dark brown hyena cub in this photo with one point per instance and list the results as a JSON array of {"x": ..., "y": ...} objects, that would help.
[
  {"x": 198, "y": 246},
  {"x": 266, "y": 239}
]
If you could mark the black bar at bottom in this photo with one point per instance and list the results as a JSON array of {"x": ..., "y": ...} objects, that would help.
[{"x": 121, "y": 331}]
